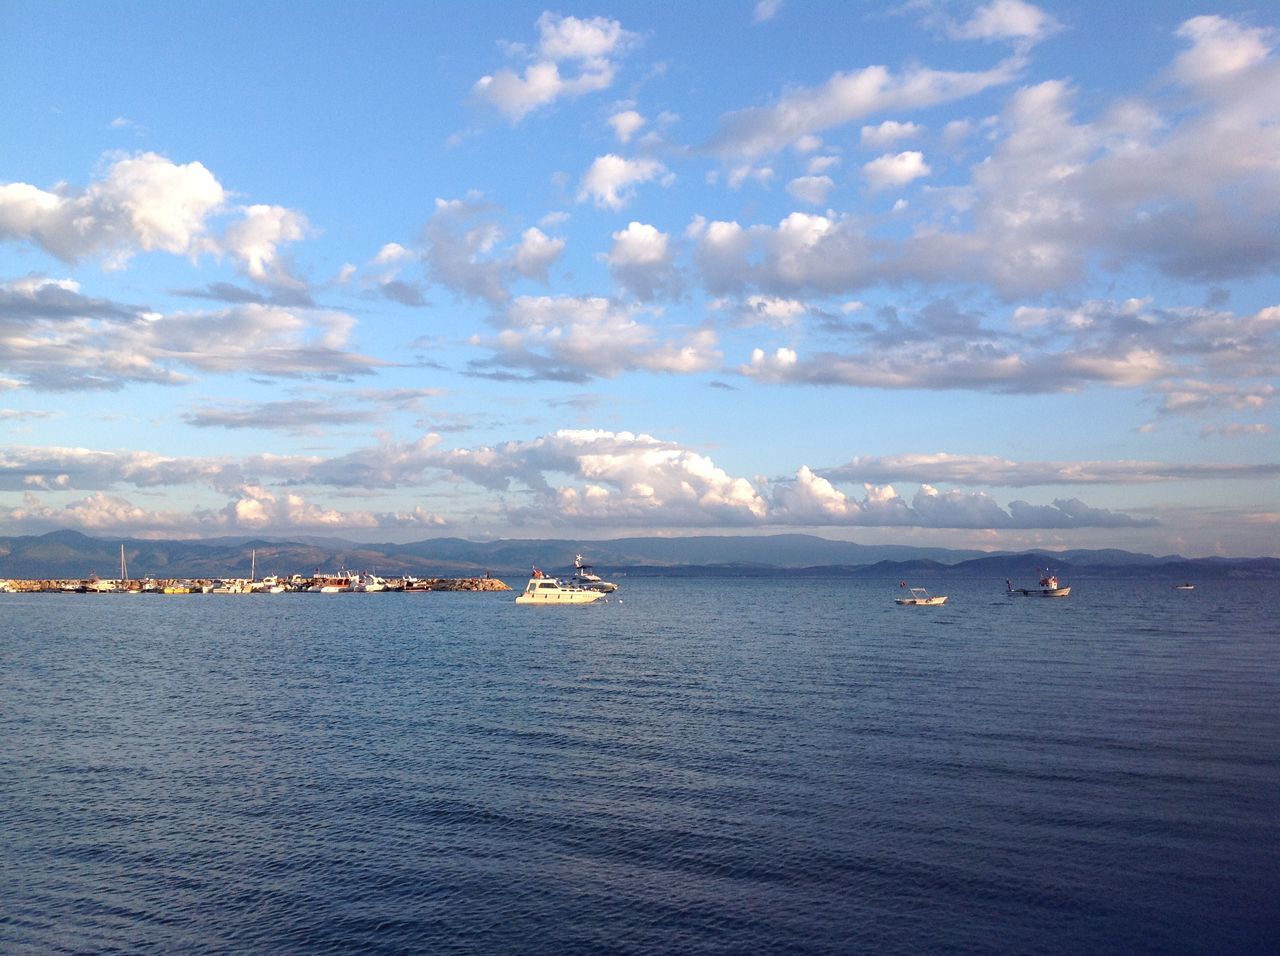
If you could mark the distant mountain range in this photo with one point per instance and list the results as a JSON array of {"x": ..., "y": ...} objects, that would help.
[{"x": 70, "y": 554}]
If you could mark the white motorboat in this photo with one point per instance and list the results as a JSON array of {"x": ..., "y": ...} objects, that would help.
[
  {"x": 919, "y": 596},
  {"x": 542, "y": 589},
  {"x": 585, "y": 577},
  {"x": 1184, "y": 587},
  {"x": 1049, "y": 586}
]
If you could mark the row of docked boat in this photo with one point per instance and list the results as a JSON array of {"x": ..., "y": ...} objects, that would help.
[{"x": 342, "y": 582}]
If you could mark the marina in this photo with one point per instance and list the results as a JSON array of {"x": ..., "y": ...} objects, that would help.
[{"x": 318, "y": 584}]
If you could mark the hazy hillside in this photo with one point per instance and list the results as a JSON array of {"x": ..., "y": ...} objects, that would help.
[{"x": 70, "y": 554}]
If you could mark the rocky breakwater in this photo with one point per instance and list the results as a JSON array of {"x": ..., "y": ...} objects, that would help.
[{"x": 456, "y": 584}]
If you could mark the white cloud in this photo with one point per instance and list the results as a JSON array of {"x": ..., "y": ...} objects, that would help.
[
  {"x": 761, "y": 175},
  {"x": 811, "y": 189},
  {"x": 460, "y": 241},
  {"x": 765, "y": 10},
  {"x": 994, "y": 471},
  {"x": 626, "y": 124},
  {"x": 771, "y": 310},
  {"x": 576, "y": 476},
  {"x": 576, "y": 338},
  {"x": 1221, "y": 49},
  {"x": 588, "y": 45},
  {"x": 897, "y": 170},
  {"x": 844, "y": 98},
  {"x": 611, "y": 180},
  {"x": 804, "y": 252},
  {"x": 888, "y": 133},
  {"x": 392, "y": 253},
  {"x": 536, "y": 252},
  {"x": 143, "y": 203},
  {"x": 1007, "y": 20},
  {"x": 255, "y": 241},
  {"x": 641, "y": 261}
]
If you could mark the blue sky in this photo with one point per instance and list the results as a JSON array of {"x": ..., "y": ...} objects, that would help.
[{"x": 990, "y": 275}]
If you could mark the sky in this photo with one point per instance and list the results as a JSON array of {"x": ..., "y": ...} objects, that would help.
[{"x": 992, "y": 275}]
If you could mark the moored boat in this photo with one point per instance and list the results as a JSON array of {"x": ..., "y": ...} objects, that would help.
[
  {"x": 542, "y": 589},
  {"x": 1049, "y": 586},
  {"x": 919, "y": 596},
  {"x": 340, "y": 583},
  {"x": 585, "y": 577}
]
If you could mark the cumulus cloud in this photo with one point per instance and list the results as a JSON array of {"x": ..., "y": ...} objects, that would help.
[
  {"x": 626, "y": 123},
  {"x": 586, "y": 47},
  {"x": 255, "y": 241},
  {"x": 611, "y": 180},
  {"x": 144, "y": 202},
  {"x": 641, "y": 261},
  {"x": 897, "y": 170},
  {"x": 804, "y": 252},
  {"x": 579, "y": 476},
  {"x": 536, "y": 253},
  {"x": 1221, "y": 48},
  {"x": 1006, "y": 20},
  {"x": 1181, "y": 185},
  {"x": 577, "y": 338},
  {"x": 814, "y": 501}
]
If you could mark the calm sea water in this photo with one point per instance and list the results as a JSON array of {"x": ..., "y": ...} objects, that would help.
[{"x": 699, "y": 765}]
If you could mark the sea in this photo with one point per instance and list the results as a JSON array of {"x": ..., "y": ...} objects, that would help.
[{"x": 696, "y": 765}]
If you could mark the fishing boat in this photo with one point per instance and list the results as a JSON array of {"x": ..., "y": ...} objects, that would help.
[
  {"x": 1049, "y": 586},
  {"x": 919, "y": 596},
  {"x": 542, "y": 589},
  {"x": 585, "y": 577}
]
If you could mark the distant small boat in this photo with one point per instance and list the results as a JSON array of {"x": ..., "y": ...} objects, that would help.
[
  {"x": 585, "y": 577},
  {"x": 1184, "y": 587},
  {"x": 1049, "y": 586},
  {"x": 919, "y": 596}
]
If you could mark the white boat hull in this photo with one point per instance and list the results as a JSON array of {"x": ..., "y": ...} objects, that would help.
[{"x": 923, "y": 602}]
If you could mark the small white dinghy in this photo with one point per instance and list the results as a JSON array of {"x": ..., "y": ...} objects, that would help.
[{"x": 919, "y": 596}]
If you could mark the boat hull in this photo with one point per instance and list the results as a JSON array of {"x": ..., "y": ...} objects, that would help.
[
  {"x": 922, "y": 602},
  {"x": 1041, "y": 592},
  {"x": 563, "y": 596}
]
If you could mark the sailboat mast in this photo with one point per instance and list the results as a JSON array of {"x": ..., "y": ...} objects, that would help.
[{"x": 124, "y": 574}]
